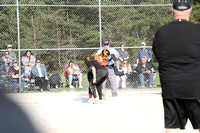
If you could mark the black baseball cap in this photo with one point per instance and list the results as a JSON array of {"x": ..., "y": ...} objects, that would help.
[
  {"x": 181, "y": 5},
  {"x": 106, "y": 42}
]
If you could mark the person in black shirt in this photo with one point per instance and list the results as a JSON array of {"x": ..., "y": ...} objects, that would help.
[
  {"x": 177, "y": 49},
  {"x": 96, "y": 76},
  {"x": 145, "y": 69},
  {"x": 13, "y": 74}
]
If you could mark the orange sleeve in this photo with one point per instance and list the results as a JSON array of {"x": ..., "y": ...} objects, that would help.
[
  {"x": 98, "y": 58},
  {"x": 104, "y": 62}
]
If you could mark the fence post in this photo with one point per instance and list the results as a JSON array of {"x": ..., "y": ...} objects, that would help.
[
  {"x": 100, "y": 37},
  {"x": 18, "y": 40}
]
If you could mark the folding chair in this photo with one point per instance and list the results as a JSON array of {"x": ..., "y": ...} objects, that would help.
[{"x": 75, "y": 82}]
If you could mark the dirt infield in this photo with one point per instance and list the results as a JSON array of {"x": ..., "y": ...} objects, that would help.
[{"x": 133, "y": 111}]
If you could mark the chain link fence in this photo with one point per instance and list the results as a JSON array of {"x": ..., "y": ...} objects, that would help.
[{"x": 58, "y": 31}]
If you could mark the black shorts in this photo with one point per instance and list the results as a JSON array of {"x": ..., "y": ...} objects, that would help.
[{"x": 178, "y": 111}]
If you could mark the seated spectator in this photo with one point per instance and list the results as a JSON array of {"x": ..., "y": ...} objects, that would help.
[
  {"x": 123, "y": 54},
  {"x": 72, "y": 72},
  {"x": 14, "y": 75},
  {"x": 124, "y": 73},
  {"x": 120, "y": 75},
  {"x": 2, "y": 68},
  {"x": 144, "y": 52},
  {"x": 127, "y": 70},
  {"x": 39, "y": 74},
  {"x": 145, "y": 68},
  {"x": 6, "y": 61},
  {"x": 28, "y": 60},
  {"x": 12, "y": 53}
]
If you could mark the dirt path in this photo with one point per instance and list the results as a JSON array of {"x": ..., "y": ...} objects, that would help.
[{"x": 133, "y": 111}]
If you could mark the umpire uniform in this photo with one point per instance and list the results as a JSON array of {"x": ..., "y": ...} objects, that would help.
[{"x": 110, "y": 68}]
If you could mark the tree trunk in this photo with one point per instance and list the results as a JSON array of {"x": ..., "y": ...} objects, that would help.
[
  {"x": 70, "y": 32},
  {"x": 34, "y": 34},
  {"x": 58, "y": 43}
]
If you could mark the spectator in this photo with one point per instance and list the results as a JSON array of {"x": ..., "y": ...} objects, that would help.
[
  {"x": 145, "y": 68},
  {"x": 12, "y": 53},
  {"x": 127, "y": 70},
  {"x": 14, "y": 75},
  {"x": 39, "y": 74},
  {"x": 7, "y": 61},
  {"x": 144, "y": 52},
  {"x": 28, "y": 60},
  {"x": 2, "y": 68},
  {"x": 72, "y": 72},
  {"x": 120, "y": 75},
  {"x": 110, "y": 68},
  {"x": 123, "y": 54}
]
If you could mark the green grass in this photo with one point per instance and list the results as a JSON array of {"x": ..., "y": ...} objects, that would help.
[
  {"x": 84, "y": 81},
  {"x": 157, "y": 79},
  {"x": 85, "y": 85}
]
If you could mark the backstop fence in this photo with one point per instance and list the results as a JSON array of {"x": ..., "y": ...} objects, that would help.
[{"x": 58, "y": 31}]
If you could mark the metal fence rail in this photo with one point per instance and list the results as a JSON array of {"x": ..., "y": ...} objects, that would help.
[{"x": 63, "y": 30}]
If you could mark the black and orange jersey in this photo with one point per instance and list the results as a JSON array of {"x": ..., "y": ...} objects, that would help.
[{"x": 100, "y": 60}]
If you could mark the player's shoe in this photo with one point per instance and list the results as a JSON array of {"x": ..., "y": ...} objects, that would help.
[
  {"x": 100, "y": 101},
  {"x": 90, "y": 100},
  {"x": 93, "y": 100}
]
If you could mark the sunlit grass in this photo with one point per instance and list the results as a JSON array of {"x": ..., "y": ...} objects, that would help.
[{"x": 85, "y": 85}]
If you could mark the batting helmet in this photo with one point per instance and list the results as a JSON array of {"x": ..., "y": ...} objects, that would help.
[{"x": 105, "y": 53}]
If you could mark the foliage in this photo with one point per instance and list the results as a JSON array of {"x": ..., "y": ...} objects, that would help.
[
  {"x": 195, "y": 16},
  {"x": 78, "y": 27}
]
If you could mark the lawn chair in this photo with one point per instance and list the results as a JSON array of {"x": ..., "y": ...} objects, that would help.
[{"x": 75, "y": 82}]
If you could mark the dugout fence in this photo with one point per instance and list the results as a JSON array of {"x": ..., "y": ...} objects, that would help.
[{"x": 57, "y": 31}]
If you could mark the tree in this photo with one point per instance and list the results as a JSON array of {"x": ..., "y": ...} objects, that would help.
[{"x": 78, "y": 27}]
